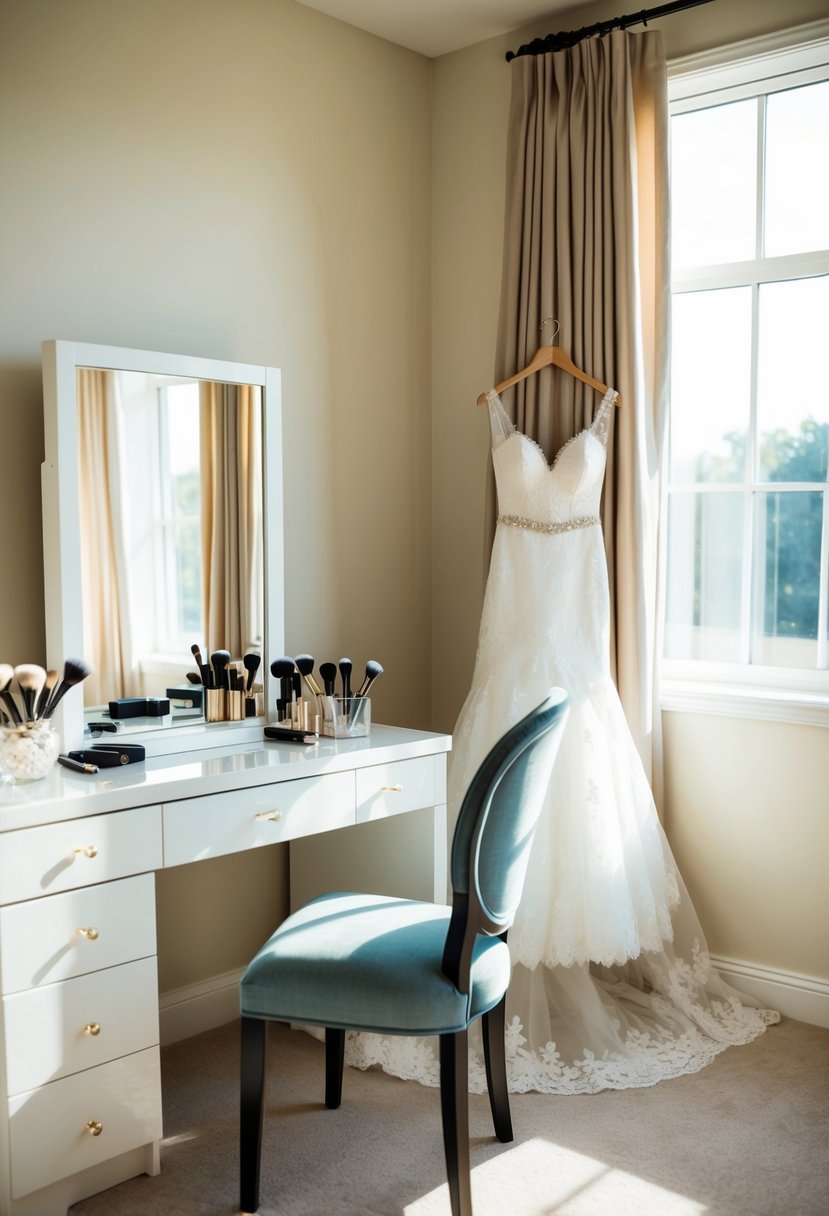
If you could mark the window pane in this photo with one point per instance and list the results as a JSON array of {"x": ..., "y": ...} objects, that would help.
[
  {"x": 710, "y": 385},
  {"x": 705, "y": 550},
  {"x": 797, "y": 170},
  {"x": 713, "y": 184},
  {"x": 792, "y": 402},
  {"x": 788, "y": 529}
]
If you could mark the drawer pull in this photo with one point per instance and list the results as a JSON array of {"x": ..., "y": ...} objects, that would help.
[
  {"x": 270, "y": 816},
  {"x": 88, "y": 850},
  {"x": 391, "y": 789},
  {"x": 92, "y": 1028},
  {"x": 90, "y": 934},
  {"x": 94, "y": 1127}
]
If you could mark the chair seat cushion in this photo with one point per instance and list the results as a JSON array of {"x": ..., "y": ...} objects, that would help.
[{"x": 370, "y": 962}]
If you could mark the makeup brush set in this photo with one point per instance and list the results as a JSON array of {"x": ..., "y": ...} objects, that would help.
[
  {"x": 324, "y": 710},
  {"x": 228, "y": 686},
  {"x": 29, "y": 696}
]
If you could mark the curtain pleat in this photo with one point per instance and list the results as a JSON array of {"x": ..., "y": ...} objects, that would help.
[
  {"x": 231, "y": 511},
  {"x": 586, "y": 243}
]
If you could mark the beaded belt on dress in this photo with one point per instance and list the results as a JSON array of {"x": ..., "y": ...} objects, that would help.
[{"x": 534, "y": 525}]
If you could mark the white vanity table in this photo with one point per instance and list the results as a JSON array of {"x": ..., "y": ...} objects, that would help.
[
  {"x": 80, "y": 1084},
  {"x": 79, "y": 1069}
]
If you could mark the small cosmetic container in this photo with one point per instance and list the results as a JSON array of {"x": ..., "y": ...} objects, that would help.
[{"x": 345, "y": 717}]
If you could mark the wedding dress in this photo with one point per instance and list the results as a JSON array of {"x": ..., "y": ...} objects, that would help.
[{"x": 612, "y": 983}]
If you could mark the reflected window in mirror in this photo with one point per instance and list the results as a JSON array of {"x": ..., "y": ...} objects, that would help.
[{"x": 171, "y": 521}]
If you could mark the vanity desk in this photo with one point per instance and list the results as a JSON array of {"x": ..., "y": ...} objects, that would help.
[{"x": 79, "y": 1028}]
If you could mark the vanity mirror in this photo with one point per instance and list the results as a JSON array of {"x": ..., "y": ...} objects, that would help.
[{"x": 162, "y": 527}]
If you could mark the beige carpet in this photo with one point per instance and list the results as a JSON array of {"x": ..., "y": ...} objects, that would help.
[{"x": 747, "y": 1136}]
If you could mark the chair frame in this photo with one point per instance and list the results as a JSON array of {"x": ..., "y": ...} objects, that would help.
[{"x": 469, "y": 917}]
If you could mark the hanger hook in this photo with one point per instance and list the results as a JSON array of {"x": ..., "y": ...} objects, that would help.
[{"x": 555, "y": 331}]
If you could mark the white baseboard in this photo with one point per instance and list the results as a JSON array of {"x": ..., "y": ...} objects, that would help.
[
  {"x": 195, "y": 1008},
  {"x": 802, "y": 997},
  {"x": 211, "y": 1003}
]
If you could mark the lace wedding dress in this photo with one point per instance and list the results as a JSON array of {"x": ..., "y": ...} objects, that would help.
[{"x": 612, "y": 984}]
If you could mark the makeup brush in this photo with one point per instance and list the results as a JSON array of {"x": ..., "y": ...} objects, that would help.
[
  {"x": 200, "y": 663},
  {"x": 373, "y": 670},
  {"x": 251, "y": 662},
  {"x": 74, "y": 671},
  {"x": 305, "y": 667},
  {"x": 194, "y": 677},
  {"x": 219, "y": 660},
  {"x": 328, "y": 672},
  {"x": 30, "y": 680},
  {"x": 46, "y": 692},
  {"x": 283, "y": 669},
  {"x": 345, "y": 666},
  {"x": 6, "y": 677}
]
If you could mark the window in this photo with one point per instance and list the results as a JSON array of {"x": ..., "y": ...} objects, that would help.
[
  {"x": 747, "y": 596},
  {"x": 177, "y": 523}
]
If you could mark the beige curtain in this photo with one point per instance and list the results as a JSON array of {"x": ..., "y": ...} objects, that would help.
[
  {"x": 231, "y": 517},
  {"x": 586, "y": 242},
  {"x": 103, "y": 573}
]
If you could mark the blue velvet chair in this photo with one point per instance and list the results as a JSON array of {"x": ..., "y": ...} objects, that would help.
[{"x": 396, "y": 966}]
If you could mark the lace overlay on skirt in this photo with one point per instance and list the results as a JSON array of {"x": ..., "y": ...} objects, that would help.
[{"x": 612, "y": 983}]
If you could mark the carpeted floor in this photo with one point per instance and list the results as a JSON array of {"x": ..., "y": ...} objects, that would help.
[{"x": 747, "y": 1136}]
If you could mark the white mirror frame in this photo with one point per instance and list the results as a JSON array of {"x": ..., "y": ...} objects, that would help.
[{"x": 61, "y": 524}]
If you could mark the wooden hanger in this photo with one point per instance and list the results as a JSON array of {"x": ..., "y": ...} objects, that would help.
[{"x": 550, "y": 356}]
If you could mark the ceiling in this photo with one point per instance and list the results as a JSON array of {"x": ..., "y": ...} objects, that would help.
[{"x": 435, "y": 27}]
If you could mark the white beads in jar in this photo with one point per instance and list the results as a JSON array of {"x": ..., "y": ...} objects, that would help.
[{"x": 28, "y": 750}]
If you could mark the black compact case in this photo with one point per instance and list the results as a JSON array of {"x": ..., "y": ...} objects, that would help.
[
  {"x": 139, "y": 707},
  {"x": 109, "y": 755}
]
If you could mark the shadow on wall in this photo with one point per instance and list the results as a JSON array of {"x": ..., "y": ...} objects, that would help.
[{"x": 22, "y": 631}]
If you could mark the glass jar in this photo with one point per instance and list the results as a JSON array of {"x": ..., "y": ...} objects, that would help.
[{"x": 28, "y": 751}]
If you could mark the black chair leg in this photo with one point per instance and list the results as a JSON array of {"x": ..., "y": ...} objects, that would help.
[
  {"x": 454, "y": 1105},
  {"x": 496, "y": 1070},
  {"x": 252, "y": 1110},
  {"x": 334, "y": 1057}
]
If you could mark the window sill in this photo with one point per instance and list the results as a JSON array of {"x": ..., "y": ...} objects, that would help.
[{"x": 745, "y": 701}]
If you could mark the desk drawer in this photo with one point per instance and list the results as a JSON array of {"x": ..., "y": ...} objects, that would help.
[
  {"x": 390, "y": 789},
  {"x": 43, "y": 940},
  {"x": 48, "y": 1126},
  {"x": 59, "y": 1029},
  {"x": 245, "y": 819},
  {"x": 79, "y": 852}
]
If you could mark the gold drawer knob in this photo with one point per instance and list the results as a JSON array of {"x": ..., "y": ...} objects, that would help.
[
  {"x": 94, "y": 1127},
  {"x": 270, "y": 816},
  {"x": 90, "y": 934},
  {"x": 88, "y": 850},
  {"x": 391, "y": 789},
  {"x": 92, "y": 1028}
]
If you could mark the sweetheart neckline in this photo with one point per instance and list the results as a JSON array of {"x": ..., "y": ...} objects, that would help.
[{"x": 607, "y": 400}]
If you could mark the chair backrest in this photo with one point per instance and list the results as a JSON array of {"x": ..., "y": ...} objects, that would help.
[{"x": 495, "y": 829}]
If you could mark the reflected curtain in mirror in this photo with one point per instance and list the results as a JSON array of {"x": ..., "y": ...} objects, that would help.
[
  {"x": 231, "y": 516},
  {"x": 103, "y": 573}
]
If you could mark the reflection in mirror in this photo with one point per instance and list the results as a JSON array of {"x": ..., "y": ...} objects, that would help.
[
  {"x": 162, "y": 529},
  {"x": 171, "y": 516}
]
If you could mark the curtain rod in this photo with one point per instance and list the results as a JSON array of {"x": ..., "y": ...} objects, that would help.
[{"x": 568, "y": 38}]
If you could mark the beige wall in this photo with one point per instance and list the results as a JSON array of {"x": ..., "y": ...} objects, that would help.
[
  {"x": 250, "y": 181},
  {"x": 750, "y": 836}
]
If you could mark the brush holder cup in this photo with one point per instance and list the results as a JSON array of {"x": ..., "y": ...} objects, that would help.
[
  {"x": 345, "y": 717},
  {"x": 28, "y": 751}
]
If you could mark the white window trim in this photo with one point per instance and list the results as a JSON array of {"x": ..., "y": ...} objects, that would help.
[{"x": 789, "y": 57}]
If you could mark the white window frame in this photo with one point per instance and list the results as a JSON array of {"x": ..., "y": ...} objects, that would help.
[{"x": 770, "y": 64}]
